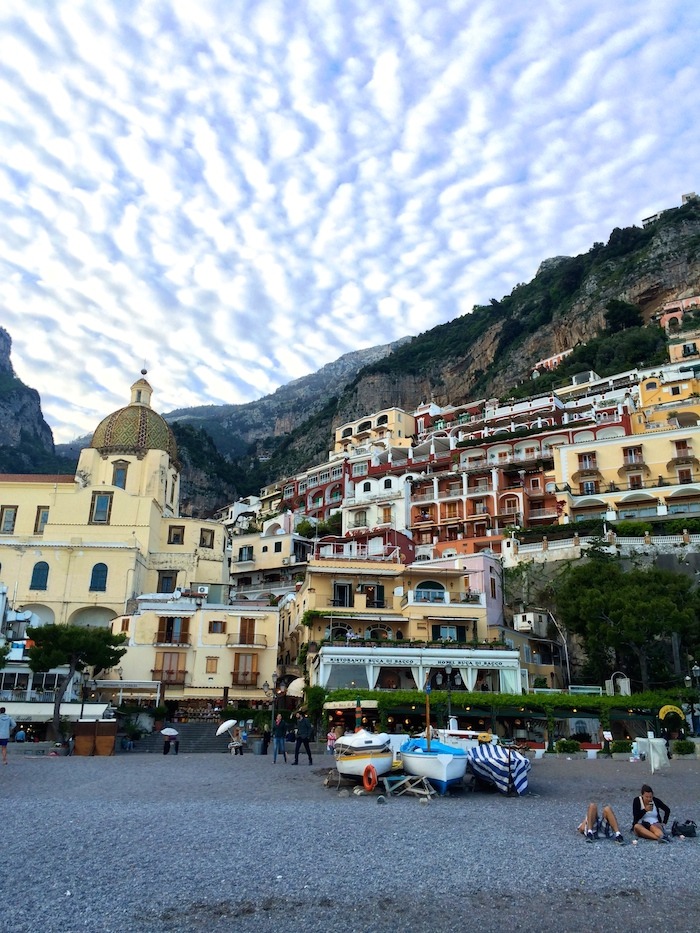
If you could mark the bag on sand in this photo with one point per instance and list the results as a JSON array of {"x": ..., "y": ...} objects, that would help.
[{"x": 688, "y": 829}]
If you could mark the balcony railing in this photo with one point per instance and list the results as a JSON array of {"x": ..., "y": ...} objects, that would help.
[
  {"x": 244, "y": 678},
  {"x": 164, "y": 638},
  {"x": 168, "y": 677},
  {"x": 238, "y": 639}
]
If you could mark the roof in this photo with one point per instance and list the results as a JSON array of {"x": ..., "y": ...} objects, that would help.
[
  {"x": 36, "y": 478},
  {"x": 135, "y": 429}
]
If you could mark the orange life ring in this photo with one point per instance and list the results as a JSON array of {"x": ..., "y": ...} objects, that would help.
[{"x": 369, "y": 778}]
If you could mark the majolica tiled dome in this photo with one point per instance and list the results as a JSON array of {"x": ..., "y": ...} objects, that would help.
[{"x": 136, "y": 428}]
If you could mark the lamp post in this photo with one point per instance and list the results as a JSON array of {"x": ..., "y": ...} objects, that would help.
[{"x": 84, "y": 680}]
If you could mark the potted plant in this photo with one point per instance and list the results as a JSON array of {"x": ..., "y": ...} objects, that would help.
[
  {"x": 683, "y": 747},
  {"x": 568, "y": 747},
  {"x": 160, "y": 714},
  {"x": 621, "y": 749}
]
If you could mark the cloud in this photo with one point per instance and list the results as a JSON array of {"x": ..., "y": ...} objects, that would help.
[{"x": 236, "y": 194}]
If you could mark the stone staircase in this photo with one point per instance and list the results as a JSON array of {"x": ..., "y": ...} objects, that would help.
[{"x": 193, "y": 737}]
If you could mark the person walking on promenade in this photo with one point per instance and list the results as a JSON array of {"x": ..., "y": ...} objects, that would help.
[
  {"x": 303, "y": 736},
  {"x": 650, "y": 816},
  {"x": 593, "y": 824},
  {"x": 279, "y": 737},
  {"x": 7, "y": 724},
  {"x": 267, "y": 735}
]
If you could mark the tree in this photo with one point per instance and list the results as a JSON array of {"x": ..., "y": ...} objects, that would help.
[
  {"x": 620, "y": 315},
  {"x": 628, "y": 619},
  {"x": 76, "y": 648}
]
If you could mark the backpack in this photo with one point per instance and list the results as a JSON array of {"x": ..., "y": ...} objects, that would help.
[{"x": 688, "y": 829}]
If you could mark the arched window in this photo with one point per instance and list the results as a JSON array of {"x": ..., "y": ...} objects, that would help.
[
  {"x": 366, "y": 487},
  {"x": 40, "y": 576},
  {"x": 387, "y": 484},
  {"x": 98, "y": 579}
]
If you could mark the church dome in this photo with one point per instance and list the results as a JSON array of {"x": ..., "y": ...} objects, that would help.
[{"x": 136, "y": 428}]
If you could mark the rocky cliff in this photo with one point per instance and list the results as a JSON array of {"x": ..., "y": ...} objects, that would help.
[{"x": 26, "y": 440}]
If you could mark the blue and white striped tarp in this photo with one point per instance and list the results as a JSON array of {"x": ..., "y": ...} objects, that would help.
[{"x": 504, "y": 767}]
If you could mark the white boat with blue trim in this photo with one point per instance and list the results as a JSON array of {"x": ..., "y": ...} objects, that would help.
[{"x": 443, "y": 765}]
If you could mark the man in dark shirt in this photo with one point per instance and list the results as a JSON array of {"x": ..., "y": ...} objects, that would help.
[{"x": 303, "y": 736}]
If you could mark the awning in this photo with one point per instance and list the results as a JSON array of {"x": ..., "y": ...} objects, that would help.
[
  {"x": 352, "y": 704},
  {"x": 43, "y": 712}
]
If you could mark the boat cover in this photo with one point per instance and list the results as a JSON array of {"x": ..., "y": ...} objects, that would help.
[
  {"x": 503, "y": 767},
  {"x": 421, "y": 745}
]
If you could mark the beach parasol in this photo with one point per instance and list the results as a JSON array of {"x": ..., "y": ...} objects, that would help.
[
  {"x": 226, "y": 727},
  {"x": 169, "y": 732}
]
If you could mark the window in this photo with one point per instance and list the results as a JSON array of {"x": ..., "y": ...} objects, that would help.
[
  {"x": 278, "y": 547},
  {"x": 264, "y": 549},
  {"x": 217, "y": 627},
  {"x": 635, "y": 481},
  {"x": 493, "y": 588},
  {"x": 8, "y": 517},
  {"x": 100, "y": 508},
  {"x": 125, "y": 625},
  {"x": 364, "y": 426},
  {"x": 386, "y": 515},
  {"x": 587, "y": 462},
  {"x": 166, "y": 581},
  {"x": 173, "y": 630},
  {"x": 42, "y": 517},
  {"x": 206, "y": 537},
  {"x": 324, "y": 476},
  {"x": 176, "y": 534},
  {"x": 675, "y": 390},
  {"x": 119, "y": 470},
  {"x": 685, "y": 476},
  {"x": 336, "y": 472},
  {"x": 247, "y": 631},
  {"x": 98, "y": 579},
  {"x": 245, "y": 553},
  {"x": 359, "y": 469},
  {"x": 40, "y": 576},
  {"x": 245, "y": 670},
  {"x": 535, "y": 483},
  {"x": 170, "y": 667},
  {"x": 359, "y": 519},
  {"x": 633, "y": 455},
  {"x": 589, "y": 488},
  {"x": 387, "y": 483},
  {"x": 212, "y": 665}
]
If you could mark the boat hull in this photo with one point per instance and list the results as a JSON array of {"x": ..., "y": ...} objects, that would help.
[
  {"x": 353, "y": 753},
  {"x": 443, "y": 769},
  {"x": 353, "y": 765}
]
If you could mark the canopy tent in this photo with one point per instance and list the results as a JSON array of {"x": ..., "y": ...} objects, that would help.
[{"x": 43, "y": 712}]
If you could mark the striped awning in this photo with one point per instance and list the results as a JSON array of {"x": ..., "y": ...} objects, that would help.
[{"x": 505, "y": 768}]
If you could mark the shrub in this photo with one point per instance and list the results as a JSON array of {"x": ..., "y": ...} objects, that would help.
[
  {"x": 621, "y": 747},
  {"x": 568, "y": 746},
  {"x": 684, "y": 747}
]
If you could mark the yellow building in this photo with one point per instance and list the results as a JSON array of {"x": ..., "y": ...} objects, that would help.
[
  {"x": 200, "y": 654},
  {"x": 375, "y": 623},
  {"x": 78, "y": 549}
]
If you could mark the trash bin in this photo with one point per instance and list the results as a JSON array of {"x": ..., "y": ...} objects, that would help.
[{"x": 257, "y": 747}]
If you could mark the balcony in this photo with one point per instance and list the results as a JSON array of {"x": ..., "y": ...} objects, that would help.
[
  {"x": 244, "y": 679},
  {"x": 174, "y": 678},
  {"x": 239, "y": 640},
  {"x": 164, "y": 638}
]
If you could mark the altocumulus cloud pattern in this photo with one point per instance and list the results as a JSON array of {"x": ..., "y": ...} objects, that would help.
[{"x": 238, "y": 192}]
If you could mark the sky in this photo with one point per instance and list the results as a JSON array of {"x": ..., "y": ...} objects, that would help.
[{"x": 233, "y": 193}]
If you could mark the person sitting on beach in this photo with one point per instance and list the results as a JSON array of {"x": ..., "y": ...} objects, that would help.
[
  {"x": 649, "y": 816},
  {"x": 594, "y": 824}
]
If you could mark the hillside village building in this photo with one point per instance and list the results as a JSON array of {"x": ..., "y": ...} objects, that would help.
[{"x": 216, "y": 611}]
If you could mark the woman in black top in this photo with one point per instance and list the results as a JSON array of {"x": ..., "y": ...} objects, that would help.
[{"x": 650, "y": 816}]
